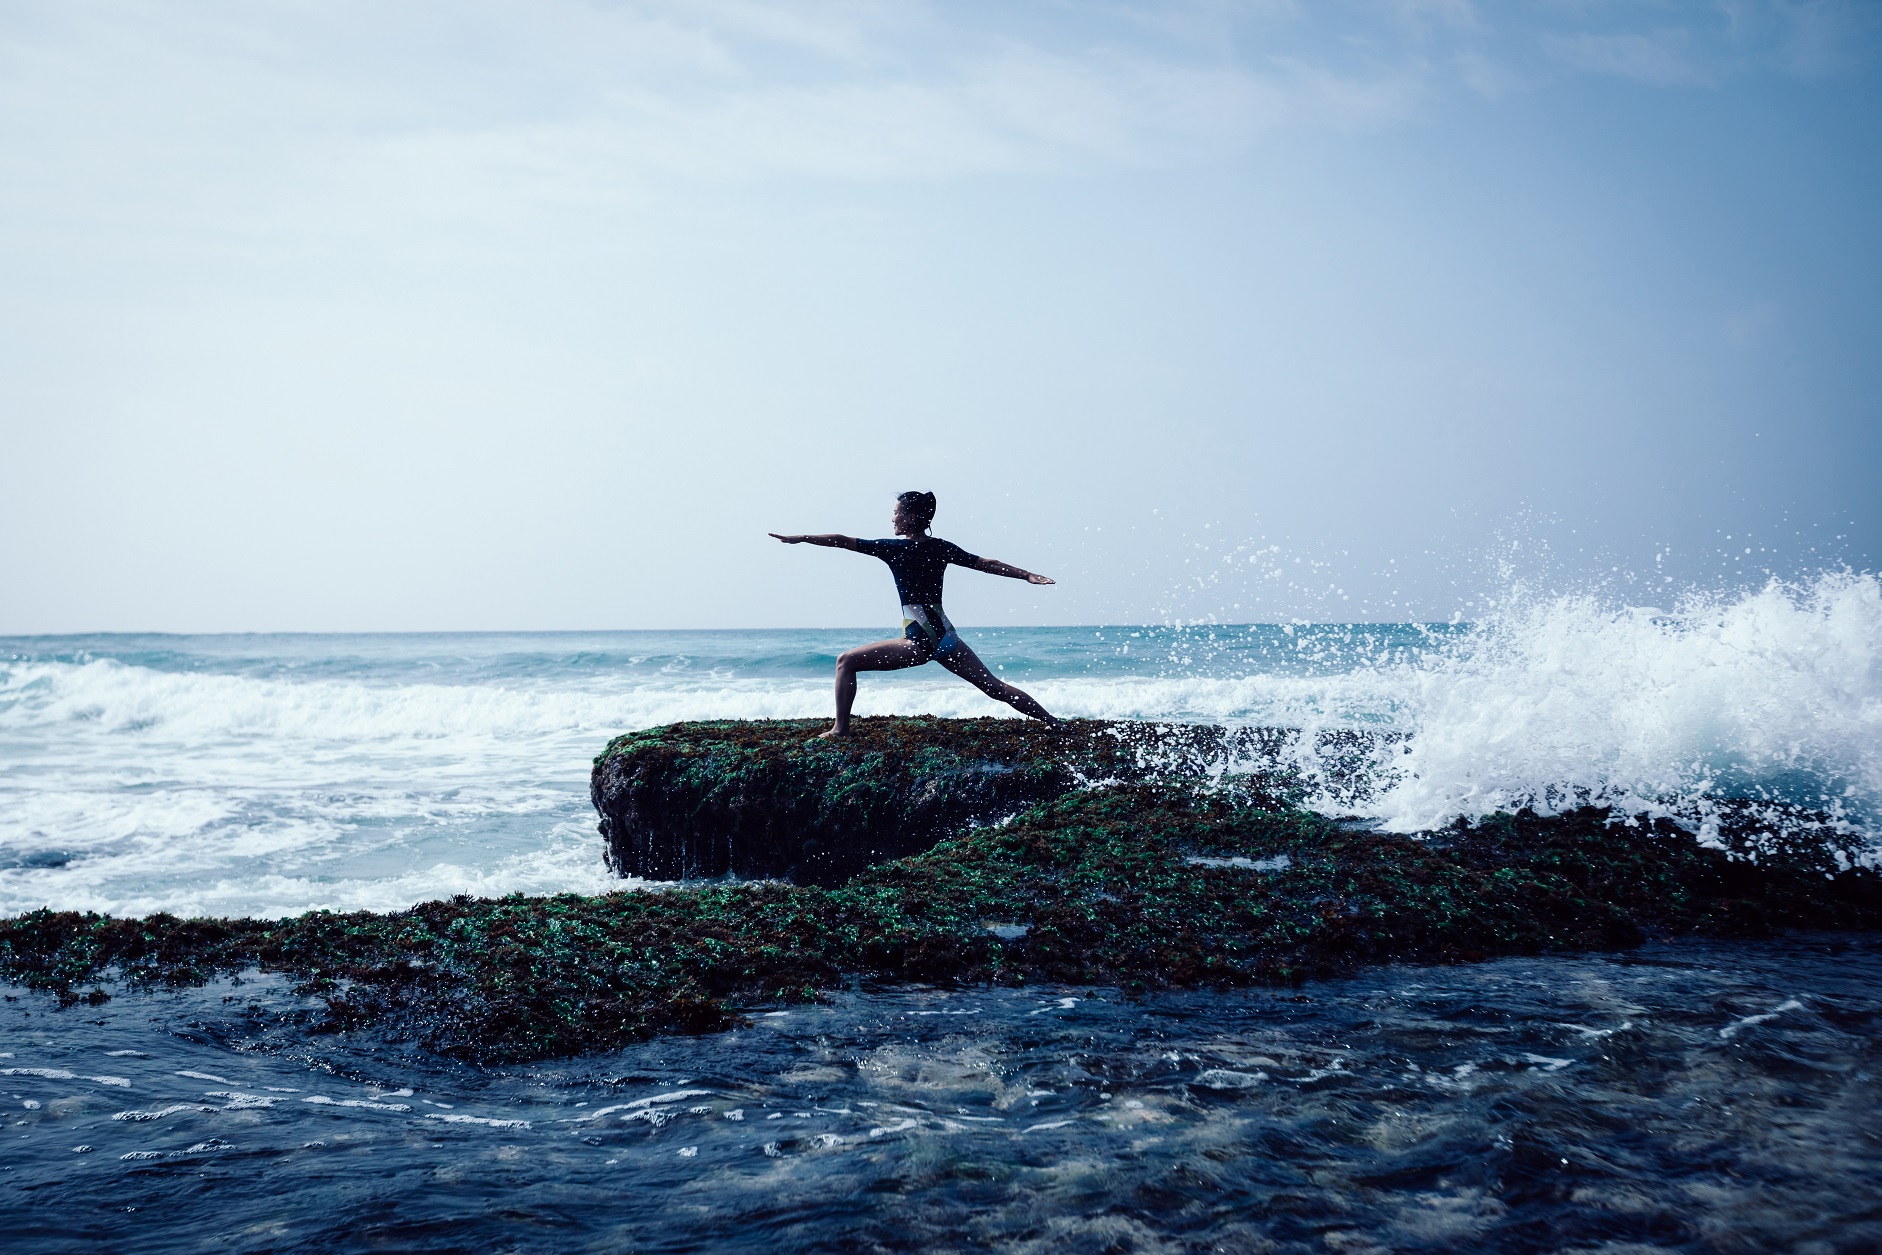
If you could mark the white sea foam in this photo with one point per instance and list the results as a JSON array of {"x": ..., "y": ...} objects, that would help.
[
  {"x": 217, "y": 719},
  {"x": 565, "y": 863},
  {"x": 1774, "y": 693},
  {"x": 161, "y": 1112},
  {"x": 364, "y": 1104},
  {"x": 62, "y": 1074},
  {"x": 486, "y": 1120},
  {"x": 1740, "y": 1025}
]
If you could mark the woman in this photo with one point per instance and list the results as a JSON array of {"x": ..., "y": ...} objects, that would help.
[{"x": 918, "y": 561}]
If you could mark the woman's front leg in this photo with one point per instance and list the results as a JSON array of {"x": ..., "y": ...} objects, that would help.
[{"x": 890, "y": 655}]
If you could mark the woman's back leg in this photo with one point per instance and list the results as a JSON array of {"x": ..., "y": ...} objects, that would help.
[{"x": 965, "y": 663}]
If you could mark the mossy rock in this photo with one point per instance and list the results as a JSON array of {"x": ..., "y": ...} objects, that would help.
[{"x": 771, "y": 800}]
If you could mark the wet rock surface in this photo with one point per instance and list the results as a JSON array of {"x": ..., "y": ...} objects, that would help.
[
  {"x": 772, "y": 799},
  {"x": 1135, "y": 885}
]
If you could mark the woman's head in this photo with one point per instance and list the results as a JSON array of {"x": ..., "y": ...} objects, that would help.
[{"x": 914, "y": 511}]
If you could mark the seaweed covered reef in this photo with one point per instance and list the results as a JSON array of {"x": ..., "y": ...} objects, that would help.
[
  {"x": 1141, "y": 886},
  {"x": 769, "y": 799}
]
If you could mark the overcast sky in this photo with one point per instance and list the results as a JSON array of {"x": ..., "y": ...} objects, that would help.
[{"x": 540, "y": 313}]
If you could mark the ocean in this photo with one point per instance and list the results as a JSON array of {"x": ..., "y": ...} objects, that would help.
[
  {"x": 1687, "y": 1096},
  {"x": 274, "y": 774}
]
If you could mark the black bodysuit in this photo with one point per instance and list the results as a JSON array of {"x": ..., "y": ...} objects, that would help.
[{"x": 918, "y": 564}]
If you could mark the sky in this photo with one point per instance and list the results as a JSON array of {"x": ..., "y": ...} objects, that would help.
[{"x": 539, "y": 314}]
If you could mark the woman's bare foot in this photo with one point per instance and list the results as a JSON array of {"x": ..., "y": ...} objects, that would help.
[{"x": 834, "y": 734}]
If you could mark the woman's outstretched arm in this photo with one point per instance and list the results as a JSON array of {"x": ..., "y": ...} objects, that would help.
[
  {"x": 993, "y": 566},
  {"x": 830, "y": 540}
]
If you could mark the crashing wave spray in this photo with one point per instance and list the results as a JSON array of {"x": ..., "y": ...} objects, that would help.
[{"x": 1773, "y": 695}]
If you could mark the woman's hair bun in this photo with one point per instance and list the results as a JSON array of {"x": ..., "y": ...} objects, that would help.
[{"x": 920, "y": 504}]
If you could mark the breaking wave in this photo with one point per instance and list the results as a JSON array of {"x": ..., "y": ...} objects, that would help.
[{"x": 1772, "y": 695}]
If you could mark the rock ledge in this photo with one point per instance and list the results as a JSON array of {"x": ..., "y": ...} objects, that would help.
[{"x": 770, "y": 800}]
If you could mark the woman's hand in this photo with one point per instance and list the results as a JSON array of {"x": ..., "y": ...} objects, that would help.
[{"x": 829, "y": 540}]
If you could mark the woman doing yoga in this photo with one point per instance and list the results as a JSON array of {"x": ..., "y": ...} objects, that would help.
[{"x": 918, "y": 561}]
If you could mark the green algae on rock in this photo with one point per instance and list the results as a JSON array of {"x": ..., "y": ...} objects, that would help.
[
  {"x": 771, "y": 799},
  {"x": 1139, "y": 887}
]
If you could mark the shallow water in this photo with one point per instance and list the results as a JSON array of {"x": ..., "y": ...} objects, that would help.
[{"x": 1689, "y": 1096}]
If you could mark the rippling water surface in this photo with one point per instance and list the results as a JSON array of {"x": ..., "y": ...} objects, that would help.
[{"x": 1686, "y": 1097}]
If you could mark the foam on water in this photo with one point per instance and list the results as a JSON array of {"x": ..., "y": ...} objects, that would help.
[
  {"x": 270, "y": 775},
  {"x": 1774, "y": 694}
]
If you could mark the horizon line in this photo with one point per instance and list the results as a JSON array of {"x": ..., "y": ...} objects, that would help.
[{"x": 1181, "y": 626}]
